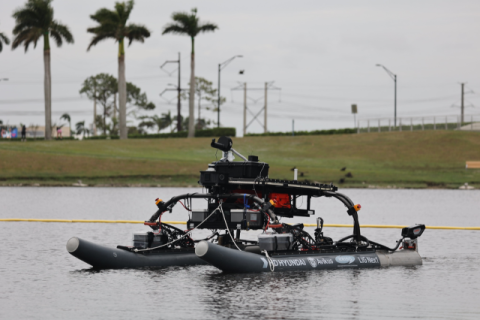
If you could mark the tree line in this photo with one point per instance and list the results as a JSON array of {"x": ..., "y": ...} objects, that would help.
[{"x": 35, "y": 21}]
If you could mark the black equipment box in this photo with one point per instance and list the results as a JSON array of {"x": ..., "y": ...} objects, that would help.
[
  {"x": 275, "y": 241},
  {"x": 246, "y": 219},
  {"x": 199, "y": 216},
  {"x": 210, "y": 178},
  {"x": 235, "y": 218},
  {"x": 247, "y": 169},
  {"x": 145, "y": 240},
  {"x": 225, "y": 170}
]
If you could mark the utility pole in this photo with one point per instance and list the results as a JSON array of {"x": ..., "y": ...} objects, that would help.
[
  {"x": 268, "y": 86},
  {"x": 115, "y": 105},
  {"x": 462, "y": 106},
  {"x": 199, "y": 107},
  {"x": 265, "y": 112},
  {"x": 395, "y": 105},
  {"x": 178, "y": 89},
  {"x": 218, "y": 91},
  {"x": 220, "y": 67},
  {"x": 462, "y": 102},
  {"x": 394, "y": 77},
  {"x": 179, "y": 100},
  {"x": 244, "y": 109},
  {"x": 94, "y": 127}
]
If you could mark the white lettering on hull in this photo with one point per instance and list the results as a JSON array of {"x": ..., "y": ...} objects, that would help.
[
  {"x": 288, "y": 262},
  {"x": 368, "y": 260},
  {"x": 339, "y": 261}
]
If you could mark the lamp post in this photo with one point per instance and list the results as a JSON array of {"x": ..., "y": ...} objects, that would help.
[
  {"x": 394, "y": 77},
  {"x": 220, "y": 67}
]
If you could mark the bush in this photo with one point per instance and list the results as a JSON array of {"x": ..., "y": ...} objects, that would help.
[
  {"x": 304, "y": 133},
  {"x": 216, "y": 132},
  {"x": 181, "y": 134},
  {"x": 102, "y": 137},
  {"x": 36, "y": 139}
]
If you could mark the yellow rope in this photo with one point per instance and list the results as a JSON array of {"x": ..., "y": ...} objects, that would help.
[{"x": 183, "y": 222}]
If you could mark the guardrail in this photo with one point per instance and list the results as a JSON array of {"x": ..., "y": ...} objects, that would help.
[{"x": 470, "y": 123}]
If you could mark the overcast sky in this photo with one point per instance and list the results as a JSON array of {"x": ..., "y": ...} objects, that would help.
[{"x": 322, "y": 54}]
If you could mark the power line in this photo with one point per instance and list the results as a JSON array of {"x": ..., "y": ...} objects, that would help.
[
  {"x": 58, "y": 81},
  {"x": 268, "y": 86},
  {"x": 462, "y": 102},
  {"x": 178, "y": 89},
  {"x": 23, "y": 101},
  {"x": 41, "y": 113},
  {"x": 369, "y": 100}
]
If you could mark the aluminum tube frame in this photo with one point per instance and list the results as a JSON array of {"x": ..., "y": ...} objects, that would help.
[
  {"x": 343, "y": 198},
  {"x": 170, "y": 203}
]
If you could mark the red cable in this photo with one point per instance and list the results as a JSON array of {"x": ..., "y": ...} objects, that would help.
[
  {"x": 274, "y": 226},
  {"x": 184, "y": 206},
  {"x": 268, "y": 222}
]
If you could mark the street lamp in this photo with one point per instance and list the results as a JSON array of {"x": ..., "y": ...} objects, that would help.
[
  {"x": 394, "y": 77},
  {"x": 220, "y": 67}
]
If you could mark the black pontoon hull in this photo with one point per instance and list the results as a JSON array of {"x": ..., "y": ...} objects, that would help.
[
  {"x": 101, "y": 257},
  {"x": 235, "y": 261}
]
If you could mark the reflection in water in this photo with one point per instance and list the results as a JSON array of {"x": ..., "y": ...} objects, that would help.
[{"x": 268, "y": 295}]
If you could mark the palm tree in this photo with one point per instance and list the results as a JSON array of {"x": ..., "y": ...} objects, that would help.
[
  {"x": 189, "y": 25},
  {"x": 161, "y": 123},
  {"x": 80, "y": 128},
  {"x": 112, "y": 24},
  {"x": 66, "y": 117},
  {"x": 3, "y": 39},
  {"x": 33, "y": 21}
]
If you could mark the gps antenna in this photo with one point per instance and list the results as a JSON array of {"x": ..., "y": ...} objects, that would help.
[{"x": 225, "y": 144}]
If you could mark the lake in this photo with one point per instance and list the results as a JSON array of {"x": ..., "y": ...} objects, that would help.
[{"x": 40, "y": 280}]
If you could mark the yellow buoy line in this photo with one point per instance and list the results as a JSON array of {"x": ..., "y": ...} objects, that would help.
[{"x": 183, "y": 222}]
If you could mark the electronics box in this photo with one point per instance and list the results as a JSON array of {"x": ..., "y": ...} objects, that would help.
[
  {"x": 143, "y": 240},
  {"x": 275, "y": 241},
  {"x": 247, "y": 169},
  {"x": 253, "y": 219},
  {"x": 199, "y": 215}
]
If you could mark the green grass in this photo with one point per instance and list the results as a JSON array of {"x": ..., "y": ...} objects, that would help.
[{"x": 395, "y": 159}]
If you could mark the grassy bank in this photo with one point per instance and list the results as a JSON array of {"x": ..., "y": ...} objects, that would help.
[{"x": 395, "y": 159}]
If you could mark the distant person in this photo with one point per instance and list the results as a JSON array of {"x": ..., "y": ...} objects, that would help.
[
  {"x": 24, "y": 133},
  {"x": 59, "y": 132}
]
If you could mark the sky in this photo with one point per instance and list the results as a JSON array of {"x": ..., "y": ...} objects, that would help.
[{"x": 322, "y": 55}]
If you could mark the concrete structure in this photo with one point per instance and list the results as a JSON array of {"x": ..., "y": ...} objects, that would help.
[{"x": 475, "y": 126}]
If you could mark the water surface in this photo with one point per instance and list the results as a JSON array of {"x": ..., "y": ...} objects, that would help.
[{"x": 40, "y": 280}]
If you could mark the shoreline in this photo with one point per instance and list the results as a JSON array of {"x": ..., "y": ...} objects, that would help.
[{"x": 178, "y": 184}]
